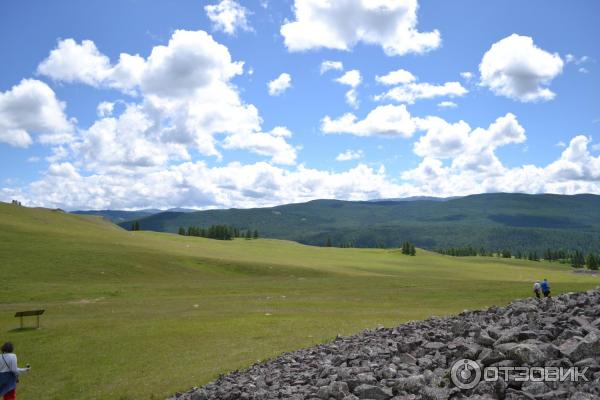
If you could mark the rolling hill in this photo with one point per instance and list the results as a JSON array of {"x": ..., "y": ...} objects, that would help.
[
  {"x": 142, "y": 315},
  {"x": 517, "y": 222}
]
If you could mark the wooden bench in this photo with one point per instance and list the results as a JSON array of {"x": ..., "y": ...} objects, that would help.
[{"x": 31, "y": 313}]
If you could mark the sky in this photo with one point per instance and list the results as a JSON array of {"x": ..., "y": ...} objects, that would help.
[{"x": 132, "y": 104}]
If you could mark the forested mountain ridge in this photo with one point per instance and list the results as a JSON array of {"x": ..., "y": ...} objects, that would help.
[{"x": 518, "y": 222}]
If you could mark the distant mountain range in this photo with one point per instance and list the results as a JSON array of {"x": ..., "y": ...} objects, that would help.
[
  {"x": 119, "y": 216},
  {"x": 518, "y": 222},
  {"x": 416, "y": 198}
]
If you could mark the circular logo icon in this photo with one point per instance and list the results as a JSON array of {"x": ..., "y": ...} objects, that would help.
[{"x": 465, "y": 374}]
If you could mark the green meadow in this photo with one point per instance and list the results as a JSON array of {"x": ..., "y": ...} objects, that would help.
[{"x": 142, "y": 315}]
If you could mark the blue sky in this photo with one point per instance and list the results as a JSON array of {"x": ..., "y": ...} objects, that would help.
[{"x": 192, "y": 122}]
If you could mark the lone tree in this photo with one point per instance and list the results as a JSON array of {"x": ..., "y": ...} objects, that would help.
[
  {"x": 412, "y": 251},
  {"x": 255, "y": 235},
  {"x": 182, "y": 230},
  {"x": 248, "y": 234},
  {"x": 328, "y": 244},
  {"x": 135, "y": 226}
]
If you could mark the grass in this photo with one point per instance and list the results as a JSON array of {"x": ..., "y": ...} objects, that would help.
[{"x": 141, "y": 315}]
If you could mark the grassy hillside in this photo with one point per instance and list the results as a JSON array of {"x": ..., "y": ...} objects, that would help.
[
  {"x": 518, "y": 222},
  {"x": 141, "y": 315}
]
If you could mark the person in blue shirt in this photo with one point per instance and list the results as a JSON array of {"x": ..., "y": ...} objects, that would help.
[{"x": 546, "y": 288}]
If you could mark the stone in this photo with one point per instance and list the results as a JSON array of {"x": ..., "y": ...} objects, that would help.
[{"x": 372, "y": 392}]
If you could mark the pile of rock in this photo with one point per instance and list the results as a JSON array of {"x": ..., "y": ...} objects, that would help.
[{"x": 414, "y": 360}]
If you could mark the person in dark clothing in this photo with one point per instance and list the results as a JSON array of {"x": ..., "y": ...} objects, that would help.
[{"x": 545, "y": 288}]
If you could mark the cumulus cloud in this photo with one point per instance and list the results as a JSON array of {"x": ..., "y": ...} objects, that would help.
[
  {"x": 31, "y": 108},
  {"x": 351, "y": 78},
  {"x": 195, "y": 184},
  {"x": 576, "y": 162},
  {"x": 331, "y": 66},
  {"x": 72, "y": 62},
  {"x": 191, "y": 61},
  {"x": 344, "y": 23},
  {"x": 349, "y": 155},
  {"x": 397, "y": 77},
  {"x": 105, "y": 109},
  {"x": 470, "y": 149},
  {"x": 516, "y": 68},
  {"x": 271, "y": 144},
  {"x": 387, "y": 120},
  {"x": 280, "y": 84},
  {"x": 186, "y": 98},
  {"x": 228, "y": 16},
  {"x": 198, "y": 185},
  {"x": 411, "y": 92},
  {"x": 129, "y": 141}
]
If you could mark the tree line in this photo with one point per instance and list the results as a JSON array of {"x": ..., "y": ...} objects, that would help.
[
  {"x": 407, "y": 247},
  {"x": 576, "y": 258},
  {"x": 219, "y": 232}
]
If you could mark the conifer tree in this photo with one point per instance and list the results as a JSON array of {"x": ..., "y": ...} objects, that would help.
[{"x": 412, "y": 251}]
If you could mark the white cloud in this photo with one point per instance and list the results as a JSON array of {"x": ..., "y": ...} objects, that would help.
[
  {"x": 31, "y": 108},
  {"x": 351, "y": 78},
  {"x": 228, "y": 16},
  {"x": 467, "y": 76},
  {"x": 352, "y": 98},
  {"x": 129, "y": 141},
  {"x": 576, "y": 163},
  {"x": 280, "y": 84},
  {"x": 516, "y": 68},
  {"x": 194, "y": 184},
  {"x": 570, "y": 58},
  {"x": 470, "y": 149},
  {"x": 191, "y": 61},
  {"x": 71, "y": 62},
  {"x": 271, "y": 144},
  {"x": 331, "y": 66},
  {"x": 387, "y": 120},
  {"x": 447, "y": 104},
  {"x": 344, "y": 23},
  {"x": 411, "y": 92},
  {"x": 197, "y": 185},
  {"x": 105, "y": 109},
  {"x": 349, "y": 155},
  {"x": 186, "y": 98},
  {"x": 400, "y": 76}
]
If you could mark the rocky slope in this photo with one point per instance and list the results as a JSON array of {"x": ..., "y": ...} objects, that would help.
[{"x": 414, "y": 360}]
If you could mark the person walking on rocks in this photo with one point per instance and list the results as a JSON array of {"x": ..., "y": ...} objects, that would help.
[
  {"x": 546, "y": 288},
  {"x": 9, "y": 372},
  {"x": 537, "y": 289}
]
